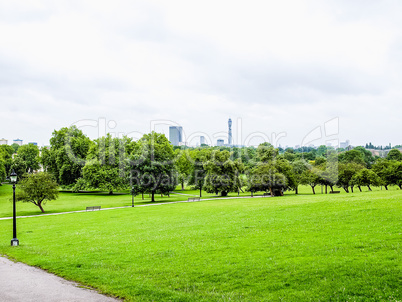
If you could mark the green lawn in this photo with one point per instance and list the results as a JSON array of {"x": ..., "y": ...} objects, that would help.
[{"x": 342, "y": 247}]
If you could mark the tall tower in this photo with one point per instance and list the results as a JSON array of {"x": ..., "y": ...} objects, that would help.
[{"x": 230, "y": 132}]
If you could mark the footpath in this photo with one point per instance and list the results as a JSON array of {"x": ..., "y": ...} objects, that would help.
[{"x": 23, "y": 283}]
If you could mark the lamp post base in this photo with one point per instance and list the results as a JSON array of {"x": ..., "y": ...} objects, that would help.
[{"x": 15, "y": 242}]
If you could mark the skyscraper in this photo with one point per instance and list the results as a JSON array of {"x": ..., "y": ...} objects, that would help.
[
  {"x": 175, "y": 135},
  {"x": 202, "y": 140},
  {"x": 230, "y": 132}
]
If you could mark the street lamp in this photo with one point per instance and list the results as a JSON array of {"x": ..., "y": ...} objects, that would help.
[
  {"x": 132, "y": 197},
  {"x": 14, "y": 241}
]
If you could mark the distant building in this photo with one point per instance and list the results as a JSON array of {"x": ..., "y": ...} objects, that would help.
[
  {"x": 230, "y": 132},
  {"x": 175, "y": 135},
  {"x": 220, "y": 142},
  {"x": 3, "y": 141},
  {"x": 33, "y": 143},
  {"x": 345, "y": 144},
  {"x": 202, "y": 140},
  {"x": 18, "y": 142}
]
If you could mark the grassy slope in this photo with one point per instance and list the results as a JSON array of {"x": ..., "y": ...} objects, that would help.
[{"x": 294, "y": 248}]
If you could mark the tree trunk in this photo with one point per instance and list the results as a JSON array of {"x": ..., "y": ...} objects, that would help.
[
  {"x": 351, "y": 188},
  {"x": 40, "y": 207},
  {"x": 297, "y": 190},
  {"x": 252, "y": 194},
  {"x": 200, "y": 192},
  {"x": 280, "y": 191},
  {"x": 346, "y": 189},
  {"x": 386, "y": 187},
  {"x": 368, "y": 186},
  {"x": 326, "y": 189},
  {"x": 142, "y": 195},
  {"x": 153, "y": 197},
  {"x": 110, "y": 192},
  {"x": 400, "y": 186},
  {"x": 224, "y": 193},
  {"x": 182, "y": 185},
  {"x": 332, "y": 188},
  {"x": 312, "y": 187},
  {"x": 272, "y": 193},
  {"x": 359, "y": 188}
]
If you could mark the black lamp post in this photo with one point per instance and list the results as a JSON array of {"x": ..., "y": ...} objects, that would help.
[
  {"x": 132, "y": 197},
  {"x": 14, "y": 241}
]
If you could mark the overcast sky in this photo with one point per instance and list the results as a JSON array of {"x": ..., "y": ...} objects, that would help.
[{"x": 275, "y": 67}]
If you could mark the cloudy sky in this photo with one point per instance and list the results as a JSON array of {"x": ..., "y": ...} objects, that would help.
[{"x": 282, "y": 70}]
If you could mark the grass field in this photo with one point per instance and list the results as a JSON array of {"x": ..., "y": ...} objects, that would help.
[{"x": 343, "y": 247}]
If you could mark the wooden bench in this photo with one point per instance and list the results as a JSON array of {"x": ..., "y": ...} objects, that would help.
[
  {"x": 334, "y": 192},
  {"x": 93, "y": 208},
  {"x": 194, "y": 199}
]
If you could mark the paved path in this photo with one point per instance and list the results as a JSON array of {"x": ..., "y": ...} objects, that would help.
[
  {"x": 141, "y": 205},
  {"x": 21, "y": 282}
]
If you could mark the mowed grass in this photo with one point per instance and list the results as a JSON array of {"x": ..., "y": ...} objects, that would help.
[{"x": 343, "y": 247}]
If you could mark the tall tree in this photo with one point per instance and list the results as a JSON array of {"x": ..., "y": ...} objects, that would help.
[
  {"x": 107, "y": 164},
  {"x": 183, "y": 165},
  {"x": 198, "y": 172},
  {"x": 67, "y": 154},
  {"x": 222, "y": 173},
  {"x": 394, "y": 154},
  {"x": 30, "y": 155},
  {"x": 153, "y": 167}
]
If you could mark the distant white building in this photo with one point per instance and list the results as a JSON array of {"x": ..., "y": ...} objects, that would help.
[
  {"x": 202, "y": 140},
  {"x": 18, "y": 142},
  {"x": 220, "y": 142},
  {"x": 3, "y": 141},
  {"x": 345, "y": 144}
]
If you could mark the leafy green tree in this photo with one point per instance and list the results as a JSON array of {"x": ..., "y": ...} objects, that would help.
[
  {"x": 107, "y": 163},
  {"x": 15, "y": 147},
  {"x": 183, "y": 165},
  {"x": 153, "y": 167},
  {"x": 3, "y": 173},
  {"x": 299, "y": 166},
  {"x": 346, "y": 173},
  {"x": 394, "y": 154},
  {"x": 381, "y": 168},
  {"x": 365, "y": 177},
  {"x": 6, "y": 154},
  {"x": 394, "y": 173},
  {"x": 352, "y": 156},
  {"x": 66, "y": 157},
  {"x": 19, "y": 166},
  {"x": 367, "y": 156},
  {"x": 310, "y": 177},
  {"x": 37, "y": 188},
  {"x": 272, "y": 173},
  {"x": 198, "y": 172},
  {"x": 222, "y": 173},
  {"x": 265, "y": 177},
  {"x": 30, "y": 155}
]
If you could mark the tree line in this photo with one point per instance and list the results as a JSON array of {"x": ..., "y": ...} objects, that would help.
[{"x": 152, "y": 165}]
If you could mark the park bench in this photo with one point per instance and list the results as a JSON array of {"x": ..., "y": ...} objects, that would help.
[
  {"x": 266, "y": 194},
  {"x": 334, "y": 192},
  {"x": 93, "y": 208},
  {"x": 194, "y": 199}
]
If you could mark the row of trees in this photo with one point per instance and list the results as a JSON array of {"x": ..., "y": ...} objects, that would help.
[{"x": 151, "y": 165}]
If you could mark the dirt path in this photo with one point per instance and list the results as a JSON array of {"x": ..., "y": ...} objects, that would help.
[{"x": 21, "y": 282}]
